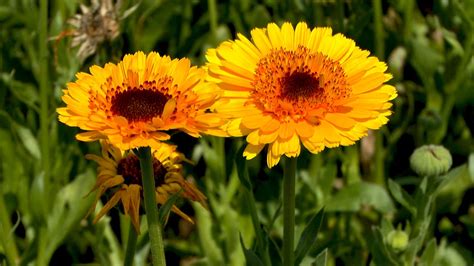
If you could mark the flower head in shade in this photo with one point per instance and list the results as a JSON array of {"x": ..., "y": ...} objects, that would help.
[
  {"x": 292, "y": 86},
  {"x": 119, "y": 177},
  {"x": 135, "y": 102}
]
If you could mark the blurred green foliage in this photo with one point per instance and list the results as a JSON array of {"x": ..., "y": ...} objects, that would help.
[{"x": 369, "y": 193}]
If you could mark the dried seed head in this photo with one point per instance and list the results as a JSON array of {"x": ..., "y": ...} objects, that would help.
[{"x": 97, "y": 23}]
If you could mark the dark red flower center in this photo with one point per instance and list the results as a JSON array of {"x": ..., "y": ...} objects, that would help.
[
  {"x": 299, "y": 84},
  {"x": 138, "y": 104},
  {"x": 129, "y": 168}
]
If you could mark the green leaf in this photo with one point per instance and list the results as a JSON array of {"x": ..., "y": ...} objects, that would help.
[
  {"x": 25, "y": 92},
  {"x": 308, "y": 236},
  {"x": 69, "y": 208},
  {"x": 380, "y": 253},
  {"x": 29, "y": 141},
  {"x": 250, "y": 256},
  {"x": 5, "y": 120},
  {"x": 166, "y": 208},
  {"x": 471, "y": 166},
  {"x": 351, "y": 198},
  {"x": 274, "y": 251},
  {"x": 429, "y": 254},
  {"x": 401, "y": 196},
  {"x": 452, "y": 187},
  {"x": 242, "y": 170},
  {"x": 211, "y": 248},
  {"x": 322, "y": 258}
]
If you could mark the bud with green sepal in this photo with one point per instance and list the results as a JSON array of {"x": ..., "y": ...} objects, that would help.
[{"x": 431, "y": 160}]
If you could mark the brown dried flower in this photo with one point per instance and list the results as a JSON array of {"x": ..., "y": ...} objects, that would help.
[{"x": 98, "y": 23}]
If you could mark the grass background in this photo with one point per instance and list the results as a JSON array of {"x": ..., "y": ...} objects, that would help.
[{"x": 44, "y": 177}]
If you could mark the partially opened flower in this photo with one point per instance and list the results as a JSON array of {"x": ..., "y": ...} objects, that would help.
[
  {"x": 292, "y": 86},
  {"x": 136, "y": 102},
  {"x": 119, "y": 177}
]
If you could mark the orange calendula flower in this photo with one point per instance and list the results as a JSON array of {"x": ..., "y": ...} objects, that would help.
[
  {"x": 133, "y": 102},
  {"x": 119, "y": 177},
  {"x": 299, "y": 85}
]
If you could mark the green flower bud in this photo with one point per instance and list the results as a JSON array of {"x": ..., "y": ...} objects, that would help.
[
  {"x": 431, "y": 160},
  {"x": 445, "y": 226},
  {"x": 398, "y": 240},
  {"x": 430, "y": 119}
]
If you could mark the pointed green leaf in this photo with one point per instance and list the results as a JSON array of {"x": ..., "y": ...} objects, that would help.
[
  {"x": 29, "y": 141},
  {"x": 250, "y": 256},
  {"x": 401, "y": 196},
  {"x": 322, "y": 258},
  {"x": 380, "y": 253},
  {"x": 471, "y": 166},
  {"x": 429, "y": 254},
  {"x": 165, "y": 209},
  {"x": 308, "y": 236},
  {"x": 274, "y": 251},
  {"x": 242, "y": 170},
  {"x": 352, "y": 197}
]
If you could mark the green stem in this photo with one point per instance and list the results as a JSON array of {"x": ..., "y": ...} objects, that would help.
[
  {"x": 379, "y": 32},
  {"x": 407, "y": 19},
  {"x": 379, "y": 44},
  {"x": 154, "y": 226},
  {"x": 256, "y": 225},
  {"x": 213, "y": 18},
  {"x": 44, "y": 92},
  {"x": 41, "y": 259},
  {"x": 131, "y": 244},
  {"x": 11, "y": 251},
  {"x": 340, "y": 15},
  {"x": 379, "y": 167},
  {"x": 289, "y": 174},
  {"x": 44, "y": 123}
]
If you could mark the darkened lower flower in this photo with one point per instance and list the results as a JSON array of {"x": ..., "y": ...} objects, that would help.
[{"x": 119, "y": 175}]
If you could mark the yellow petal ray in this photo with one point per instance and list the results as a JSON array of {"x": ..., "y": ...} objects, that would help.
[
  {"x": 268, "y": 137},
  {"x": 271, "y": 126},
  {"x": 255, "y": 121},
  {"x": 89, "y": 136},
  {"x": 182, "y": 214},
  {"x": 261, "y": 40},
  {"x": 287, "y": 130},
  {"x": 135, "y": 199},
  {"x": 340, "y": 121},
  {"x": 109, "y": 205},
  {"x": 274, "y": 35},
  {"x": 272, "y": 159},
  {"x": 304, "y": 129},
  {"x": 301, "y": 34},
  {"x": 288, "y": 35},
  {"x": 253, "y": 138},
  {"x": 248, "y": 47},
  {"x": 168, "y": 109},
  {"x": 252, "y": 150}
]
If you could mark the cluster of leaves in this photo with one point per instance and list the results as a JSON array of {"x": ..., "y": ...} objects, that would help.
[{"x": 368, "y": 217}]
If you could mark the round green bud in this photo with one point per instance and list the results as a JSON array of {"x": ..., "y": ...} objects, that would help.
[
  {"x": 398, "y": 240},
  {"x": 430, "y": 119},
  {"x": 431, "y": 160}
]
